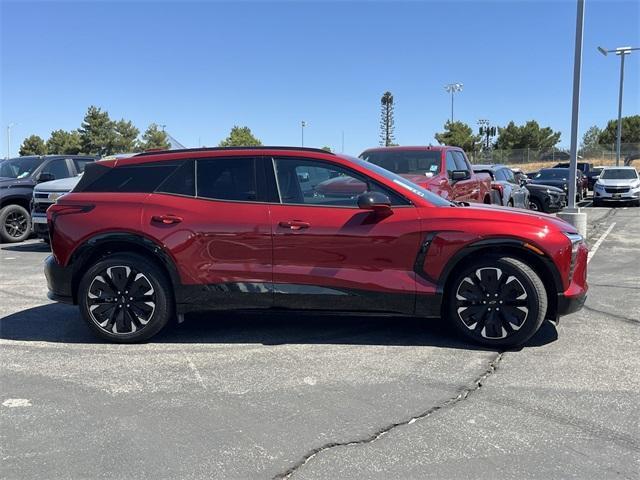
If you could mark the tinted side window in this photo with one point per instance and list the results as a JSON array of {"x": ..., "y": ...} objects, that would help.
[
  {"x": 461, "y": 162},
  {"x": 57, "y": 168},
  {"x": 451, "y": 163},
  {"x": 508, "y": 175},
  {"x": 144, "y": 178},
  {"x": 182, "y": 181},
  {"x": 500, "y": 175},
  {"x": 80, "y": 163},
  {"x": 302, "y": 181},
  {"x": 227, "y": 179}
]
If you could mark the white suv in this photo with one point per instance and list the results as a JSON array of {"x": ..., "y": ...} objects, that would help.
[{"x": 617, "y": 184}]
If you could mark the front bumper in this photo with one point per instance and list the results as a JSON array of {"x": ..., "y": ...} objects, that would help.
[
  {"x": 570, "y": 304},
  {"x": 59, "y": 281},
  {"x": 604, "y": 196}
]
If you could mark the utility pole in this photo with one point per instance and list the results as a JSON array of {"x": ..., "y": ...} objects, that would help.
[
  {"x": 453, "y": 88},
  {"x": 621, "y": 52}
]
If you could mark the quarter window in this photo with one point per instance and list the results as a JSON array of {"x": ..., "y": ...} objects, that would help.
[
  {"x": 227, "y": 179},
  {"x": 311, "y": 182}
]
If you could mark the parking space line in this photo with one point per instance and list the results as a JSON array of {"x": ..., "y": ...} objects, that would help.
[{"x": 600, "y": 240}]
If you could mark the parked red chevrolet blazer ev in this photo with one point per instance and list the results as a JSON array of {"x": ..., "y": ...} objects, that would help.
[{"x": 160, "y": 234}]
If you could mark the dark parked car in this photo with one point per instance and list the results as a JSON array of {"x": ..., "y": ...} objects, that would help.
[
  {"x": 165, "y": 233},
  {"x": 509, "y": 191},
  {"x": 587, "y": 169},
  {"x": 18, "y": 176},
  {"x": 544, "y": 198},
  {"x": 559, "y": 178}
]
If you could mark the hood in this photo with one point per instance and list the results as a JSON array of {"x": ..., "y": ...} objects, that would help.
[
  {"x": 498, "y": 214},
  {"x": 418, "y": 179},
  {"x": 552, "y": 182},
  {"x": 613, "y": 182},
  {"x": 7, "y": 182},
  {"x": 535, "y": 186},
  {"x": 62, "y": 185}
]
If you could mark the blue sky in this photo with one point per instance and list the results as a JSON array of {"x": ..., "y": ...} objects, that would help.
[{"x": 201, "y": 67}]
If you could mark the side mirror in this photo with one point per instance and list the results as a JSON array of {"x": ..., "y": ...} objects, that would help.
[
  {"x": 376, "y": 201},
  {"x": 45, "y": 177},
  {"x": 458, "y": 175}
]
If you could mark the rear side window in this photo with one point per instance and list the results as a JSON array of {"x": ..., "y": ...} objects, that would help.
[
  {"x": 182, "y": 181},
  {"x": 143, "y": 178},
  {"x": 80, "y": 163},
  {"x": 227, "y": 179}
]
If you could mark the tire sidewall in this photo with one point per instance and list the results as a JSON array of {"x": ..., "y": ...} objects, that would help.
[
  {"x": 535, "y": 316},
  {"x": 164, "y": 300},
  {"x": 4, "y": 213}
]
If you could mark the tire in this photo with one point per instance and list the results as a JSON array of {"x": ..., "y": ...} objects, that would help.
[
  {"x": 475, "y": 297},
  {"x": 15, "y": 224},
  {"x": 536, "y": 205},
  {"x": 119, "y": 317}
]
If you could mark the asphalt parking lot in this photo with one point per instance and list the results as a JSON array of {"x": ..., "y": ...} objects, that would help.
[{"x": 281, "y": 395}]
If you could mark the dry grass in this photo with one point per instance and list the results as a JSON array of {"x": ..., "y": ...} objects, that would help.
[{"x": 535, "y": 166}]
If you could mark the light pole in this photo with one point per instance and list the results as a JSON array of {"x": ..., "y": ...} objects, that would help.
[
  {"x": 621, "y": 51},
  {"x": 9, "y": 126},
  {"x": 453, "y": 88},
  {"x": 302, "y": 125}
]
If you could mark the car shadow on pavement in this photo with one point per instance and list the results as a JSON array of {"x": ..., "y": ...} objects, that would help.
[
  {"x": 62, "y": 323},
  {"x": 26, "y": 247}
]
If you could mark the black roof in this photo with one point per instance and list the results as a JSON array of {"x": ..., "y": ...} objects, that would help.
[{"x": 218, "y": 149}]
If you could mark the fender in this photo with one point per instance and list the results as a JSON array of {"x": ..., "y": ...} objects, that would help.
[
  {"x": 464, "y": 252},
  {"x": 87, "y": 249}
]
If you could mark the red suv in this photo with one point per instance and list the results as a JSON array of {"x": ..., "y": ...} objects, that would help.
[{"x": 143, "y": 239}]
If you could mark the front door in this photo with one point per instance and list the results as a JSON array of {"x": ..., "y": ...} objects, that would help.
[{"x": 329, "y": 254}]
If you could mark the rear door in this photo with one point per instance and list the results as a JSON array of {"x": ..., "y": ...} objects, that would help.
[
  {"x": 329, "y": 254},
  {"x": 218, "y": 230}
]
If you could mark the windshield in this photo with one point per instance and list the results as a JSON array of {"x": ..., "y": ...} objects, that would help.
[
  {"x": 553, "y": 174},
  {"x": 418, "y": 162},
  {"x": 19, "y": 167},
  {"x": 403, "y": 183},
  {"x": 619, "y": 174}
]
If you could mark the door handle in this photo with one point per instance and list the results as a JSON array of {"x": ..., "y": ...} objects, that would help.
[
  {"x": 166, "y": 219},
  {"x": 294, "y": 225}
]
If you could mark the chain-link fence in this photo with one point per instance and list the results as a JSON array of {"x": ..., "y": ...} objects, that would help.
[{"x": 600, "y": 155}]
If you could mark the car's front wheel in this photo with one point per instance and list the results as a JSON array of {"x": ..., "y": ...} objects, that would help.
[
  {"x": 125, "y": 298},
  {"x": 536, "y": 205},
  {"x": 497, "y": 301}
]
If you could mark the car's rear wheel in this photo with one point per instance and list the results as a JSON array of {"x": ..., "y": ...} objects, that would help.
[
  {"x": 125, "y": 298},
  {"x": 15, "y": 224},
  {"x": 497, "y": 301}
]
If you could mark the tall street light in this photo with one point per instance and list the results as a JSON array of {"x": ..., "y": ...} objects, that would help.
[
  {"x": 302, "y": 125},
  {"x": 620, "y": 51},
  {"x": 453, "y": 88}
]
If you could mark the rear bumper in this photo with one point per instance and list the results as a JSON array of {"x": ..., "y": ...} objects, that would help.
[{"x": 59, "y": 281}]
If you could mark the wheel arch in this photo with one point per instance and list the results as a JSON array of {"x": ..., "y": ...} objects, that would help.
[
  {"x": 102, "y": 245},
  {"x": 22, "y": 201},
  {"x": 541, "y": 264}
]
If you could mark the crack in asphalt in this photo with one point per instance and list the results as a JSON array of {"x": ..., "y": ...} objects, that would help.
[
  {"x": 609, "y": 314},
  {"x": 463, "y": 395}
]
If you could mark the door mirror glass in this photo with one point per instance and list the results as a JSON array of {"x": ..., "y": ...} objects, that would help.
[
  {"x": 375, "y": 201},
  {"x": 458, "y": 175}
]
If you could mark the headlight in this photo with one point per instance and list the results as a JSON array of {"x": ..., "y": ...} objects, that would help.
[
  {"x": 598, "y": 186},
  {"x": 575, "y": 239}
]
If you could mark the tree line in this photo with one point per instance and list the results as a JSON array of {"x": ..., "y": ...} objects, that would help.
[{"x": 97, "y": 135}]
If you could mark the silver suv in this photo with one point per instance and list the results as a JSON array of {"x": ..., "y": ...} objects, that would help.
[{"x": 617, "y": 184}]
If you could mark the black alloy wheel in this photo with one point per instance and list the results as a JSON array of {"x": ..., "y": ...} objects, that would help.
[
  {"x": 15, "y": 224},
  {"x": 125, "y": 298},
  {"x": 498, "y": 302}
]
